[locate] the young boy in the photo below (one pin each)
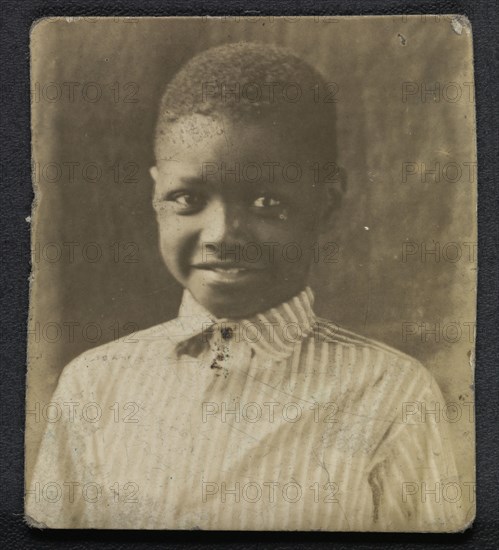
(246, 411)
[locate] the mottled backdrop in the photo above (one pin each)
(405, 107)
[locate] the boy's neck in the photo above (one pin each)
(189, 303)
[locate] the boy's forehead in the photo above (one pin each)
(197, 136)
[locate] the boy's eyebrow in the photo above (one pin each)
(278, 188)
(192, 180)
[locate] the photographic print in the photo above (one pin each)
(254, 259)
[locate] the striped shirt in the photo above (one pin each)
(279, 422)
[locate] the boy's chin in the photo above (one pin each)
(226, 308)
(240, 305)
(234, 295)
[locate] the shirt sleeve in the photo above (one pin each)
(54, 497)
(413, 477)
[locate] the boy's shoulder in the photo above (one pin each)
(363, 347)
(368, 363)
(128, 352)
(149, 351)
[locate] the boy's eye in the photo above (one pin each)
(185, 202)
(266, 202)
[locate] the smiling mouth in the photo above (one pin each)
(227, 272)
(230, 270)
(228, 267)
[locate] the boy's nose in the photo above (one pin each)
(224, 223)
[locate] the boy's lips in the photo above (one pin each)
(228, 272)
(228, 266)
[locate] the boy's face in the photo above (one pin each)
(237, 223)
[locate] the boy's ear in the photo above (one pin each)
(334, 190)
(154, 173)
(155, 176)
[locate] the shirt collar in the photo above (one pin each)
(274, 332)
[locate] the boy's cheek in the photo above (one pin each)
(279, 246)
(300, 234)
(174, 252)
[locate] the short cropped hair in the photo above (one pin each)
(253, 83)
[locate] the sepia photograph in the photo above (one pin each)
(254, 274)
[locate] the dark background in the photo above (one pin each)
(18, 197)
